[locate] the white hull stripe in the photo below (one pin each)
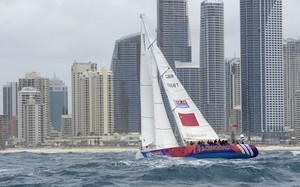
(250, 149)
(245, 148)
(239, 146)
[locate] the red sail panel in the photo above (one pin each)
(188, 119)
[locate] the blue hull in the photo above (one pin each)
(229, 151)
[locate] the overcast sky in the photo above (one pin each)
(48, 35)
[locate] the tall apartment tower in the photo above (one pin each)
(262, 66)
(96, 103)
(126, 68)
(77, 70)
(173, 31)
(291, 60)
(233, 93)
(297, 115)
(58, 102)
(212, 64)
(10, 99)
(31, 116)
(35, 80)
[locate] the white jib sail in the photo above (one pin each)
(163, 131)
(191, 123)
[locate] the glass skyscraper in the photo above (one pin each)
(173, 39)
(58, 102)
(212, 64)
(125, 66)
(261, 66)
(173, 34)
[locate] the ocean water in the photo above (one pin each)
(270, 168)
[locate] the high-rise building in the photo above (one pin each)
(35, 80)
(96, 103)
(212, 64)
(297, 115)
(58, 102)
(66, 126)
(174, 40)
(173, 31)
(31, 117)
(188, 73)
(77, 70)
(126, 68)
(233, 94)
(262, 66)
(291, 60)
(3, 130)
(10, 99)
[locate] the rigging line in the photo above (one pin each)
(174, 108)
(151, 43)
(164, 72)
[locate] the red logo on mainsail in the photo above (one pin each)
(188, 119)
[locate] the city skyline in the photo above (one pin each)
(48, 36)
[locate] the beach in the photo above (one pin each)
(120, 149)
(68, 150)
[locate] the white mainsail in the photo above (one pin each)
(191, 123)
(156, 128)
(147, 107)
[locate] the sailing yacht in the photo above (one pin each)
(197, 138)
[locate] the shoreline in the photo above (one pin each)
(278, 148)
(121, 149)
(71, 150)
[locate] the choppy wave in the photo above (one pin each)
(280, 168)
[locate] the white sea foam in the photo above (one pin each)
(295, 153)
(139, 155)
(3, 170)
